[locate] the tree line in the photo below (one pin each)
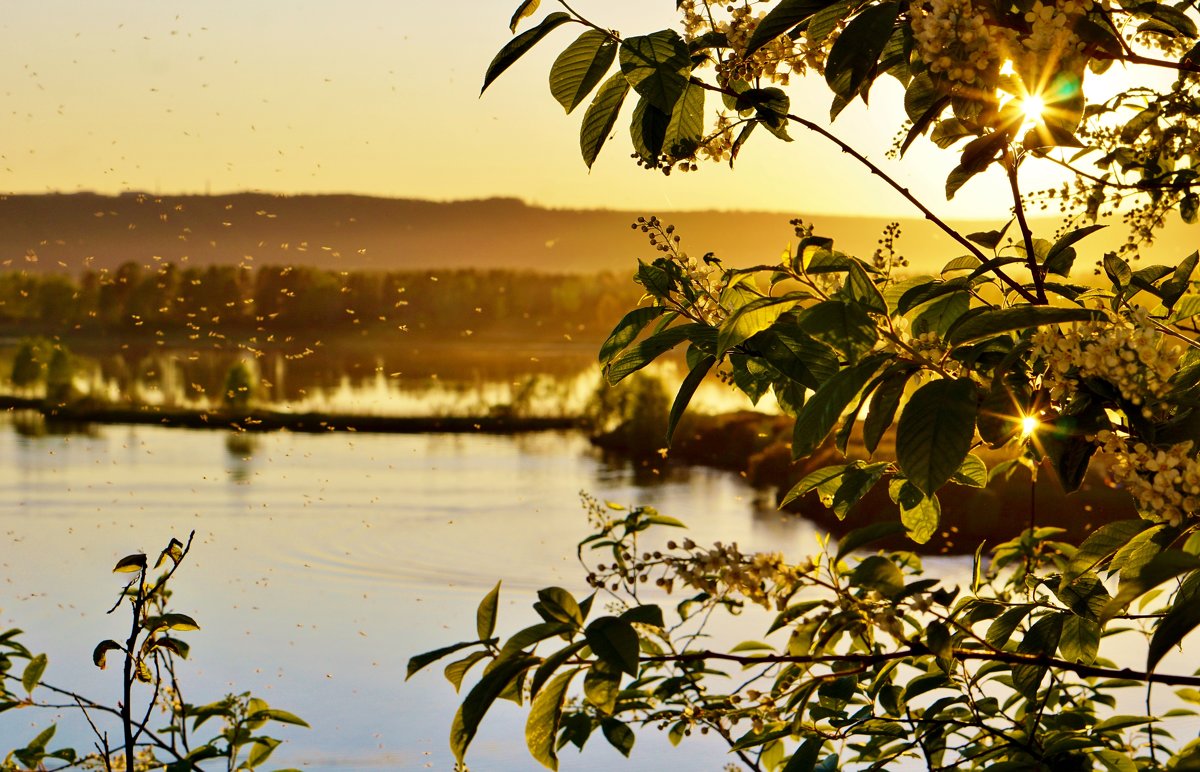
(169, 298)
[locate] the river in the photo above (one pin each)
(321, 563)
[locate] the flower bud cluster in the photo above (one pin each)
(775, 62)
(1129, 354)
(704, 279)
(958, 41)
(764, 578)
(1164, 483)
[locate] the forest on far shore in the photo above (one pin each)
(193, 303)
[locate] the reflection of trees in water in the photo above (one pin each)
(241, 447)
(31, 423)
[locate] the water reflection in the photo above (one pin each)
(323, 561)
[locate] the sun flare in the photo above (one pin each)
(1029, 425)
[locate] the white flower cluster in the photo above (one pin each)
(1051, 46)
(1165, 484)
(958, 41)
(1129, 354)
(764, 578)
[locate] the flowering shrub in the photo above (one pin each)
(868, 661)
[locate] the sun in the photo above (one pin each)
(1029, 425)
(1033, 106)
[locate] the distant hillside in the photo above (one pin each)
(58, 232)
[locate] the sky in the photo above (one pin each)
(381, 97)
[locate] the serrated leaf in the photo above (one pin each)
(545, 716)
(1080, 640)
(644, 352)
(601, 116)
(580, 67)
(520, 45)
(1103, 543)
(854, 54)
(935, 432)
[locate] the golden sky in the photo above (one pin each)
(381, 97)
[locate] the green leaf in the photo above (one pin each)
(780, 19)
(1041, 640)
(100, 653)
(856, 482)
(686, 390)
(822, 411)
(179, 622)
(130, 564)
(1182, 618)
(845, 326)
(262, 748)
(880, 574)
(457, 670)
(1003, 626)
(1161, 568)
(602, 686)
(421, 660)
(812, 481)
(1103, 543)
(1118, 271)
(644, 615)
(919, 513)
(1080, 641)
(752, 318)
(797, 355)
(656, 66)
(882, 410)
(281, 716)
(648, 130)
(935, 432)
(618, 735)
(485, 615)
(940, 315)
(32, 675)
(685, 129)
(973, 472)
(615, 641)
(480, 699)
(526, 9)
(644, 352)
(860, 537)
(601, 116)
(994, 322)
(1185, 308)
(580, 67)
(859, 288)
(854, 54)
(557, 605)
(520, 45)
(545, 716)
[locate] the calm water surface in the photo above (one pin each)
(322, 563)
